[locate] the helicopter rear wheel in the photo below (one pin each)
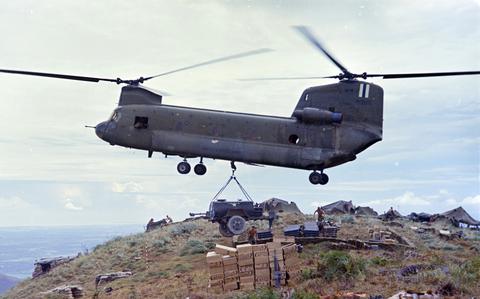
(324, 179)
(200, 169)
(183, 167)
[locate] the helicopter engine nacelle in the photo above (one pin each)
(315, 115)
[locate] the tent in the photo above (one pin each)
(281, 206)
(365, 211)
(459, 215)
(339, 207)
(390, 215)
(421, 217)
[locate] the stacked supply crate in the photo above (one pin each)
(277, 265)
(292, 263)
(230, 272)
(215, 269)
(246, 270)
(293, 230)
(311, 229)
(262, 265)
(230, 267)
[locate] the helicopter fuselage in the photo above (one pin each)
(313, 138)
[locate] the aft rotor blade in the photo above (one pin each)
(58, 76)
(423, 75)
(239, 55)
(310, 37)
(286, 78)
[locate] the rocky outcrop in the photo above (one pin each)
(66, 291)
(104, 278)
(44, 265)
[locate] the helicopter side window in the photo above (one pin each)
(141, 122)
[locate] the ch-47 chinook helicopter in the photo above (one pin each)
(330, 125)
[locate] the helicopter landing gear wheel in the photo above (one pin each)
(224, 231)
(318, 178)
(200, 169)
(315, 178)
(236, 224)
(324, 179)
(183, 167)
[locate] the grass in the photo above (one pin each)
(339, 265)
(170, 263)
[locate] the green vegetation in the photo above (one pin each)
(182, 229)
(339, 265)
(467, 275)
(260, 294)
(193, 247)
(379, 261)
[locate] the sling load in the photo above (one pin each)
(232, 216)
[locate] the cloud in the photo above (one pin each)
(472, 200)
(69, 205)
(13, 202)
(130, 187)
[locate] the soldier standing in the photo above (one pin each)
(252, 234)
(321, 214)
(271, 217)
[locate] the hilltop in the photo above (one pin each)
(170, 263)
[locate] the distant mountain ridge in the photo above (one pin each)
(7, 282)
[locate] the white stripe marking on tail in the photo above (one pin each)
(360, 91)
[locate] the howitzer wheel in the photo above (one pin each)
(224, 231)
(236, 224)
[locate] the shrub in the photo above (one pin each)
(162, 242)
(466, 275)
(308, 274)
(302, 294)
(210, 245)
(379, 261)
(260, 294)
(340, 265)
(193, 247)
(182, 229)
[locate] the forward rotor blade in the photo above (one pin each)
(423, 75)
(59, 76)
(310, 37)
(239, 55)
(285, 78)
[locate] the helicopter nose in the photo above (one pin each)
(100, 129)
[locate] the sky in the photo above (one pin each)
(54, 171)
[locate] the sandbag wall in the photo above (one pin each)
(248, 267)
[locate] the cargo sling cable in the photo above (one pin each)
(233, 178)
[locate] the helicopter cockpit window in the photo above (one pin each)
(115, 116)
(141, 122)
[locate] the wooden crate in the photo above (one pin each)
(225, 250)
(229, 260)
(244, 249)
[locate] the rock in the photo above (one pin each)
(46, 264)
(108, 277)
(66, 290)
